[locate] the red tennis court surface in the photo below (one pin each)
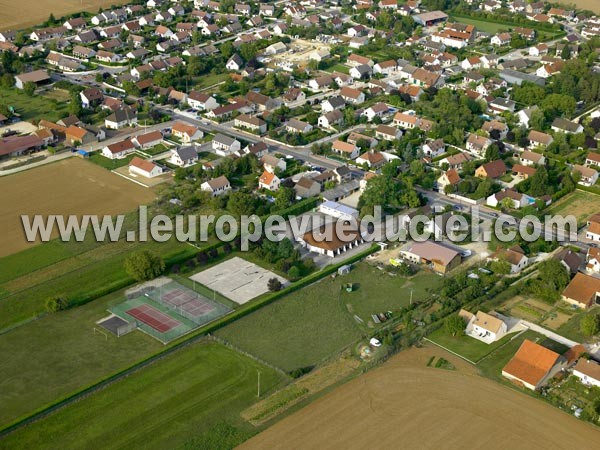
(154, 318)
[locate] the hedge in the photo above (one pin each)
(186, 340)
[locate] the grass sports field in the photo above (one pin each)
(60, 354)
(327, 312)
(581, 204)
(32, 12)
(185, 394)
(71, 186)
(425, 407)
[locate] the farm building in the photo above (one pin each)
(37, 77)
(533, 365)
(441, 259)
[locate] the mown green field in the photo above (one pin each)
(315, 323)
(33, 108)
(92, 266)
(60, 354)
(183, 395)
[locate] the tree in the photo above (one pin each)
(284, 198)
(294, 273)
(554, 273)
(590, 324)
(493, 152)
(7, 81)
(56, 303)
(506, 203)
(454, 325)
(144, 265)
(29, 88)
(538, 183)
(501, 267)
(274, 285)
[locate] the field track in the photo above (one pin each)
(71, 186)
(409, 405)
(14, 15)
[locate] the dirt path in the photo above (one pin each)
(405, 404)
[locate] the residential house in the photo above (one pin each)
(269, 181)
(593, 228)
(225, 145)
(118, 150)
(123, 117)
(379, 109)
(252, 123)
(91, 97)
(273, 164)
(372, 159)
(478, 144)
(148, 140)
(298, 126)
(582, 291)
(588, 175)
(588, 372)
(307, 188)
(216, 186)
(448, 178)
(566, 126)
(351, 95)
(184, 156)
(592, 159)
(484, 327)
(493, 170)
(387, 133)
(186, 133)
(201, 101)
(434, 148)
(143, 167)
(234, 63)
(350, 151)
(529, 158)
(539, 139)
(330, 119)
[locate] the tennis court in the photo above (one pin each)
(154, 318)
(167, 310)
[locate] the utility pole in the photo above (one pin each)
(411, 293)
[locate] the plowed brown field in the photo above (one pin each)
(405, 404)
(70, 186)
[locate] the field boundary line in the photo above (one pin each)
(503, 345)
(130, 179)
(228, 344)
(450, 351)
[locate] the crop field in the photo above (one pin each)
(406, 402)
(184, 394)
(60, 354)
(32, 12)
(581, 204)
(327, 313)
(71, 186)
(591, 5)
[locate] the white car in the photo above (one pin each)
(374, 342)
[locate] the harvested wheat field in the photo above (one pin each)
(14, 15)
(405, 404)
(70, 186)
(592, 5)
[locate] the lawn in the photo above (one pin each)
(162, 406)
(492, 366)
(299, 330)
(110, 164)
(571, 329)
(467, 346)
(33, 108)
(60, 354)
(376, 291)
(484, 26)
(313, 324)
(63, 270)
(580, 204)
(339, 68)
